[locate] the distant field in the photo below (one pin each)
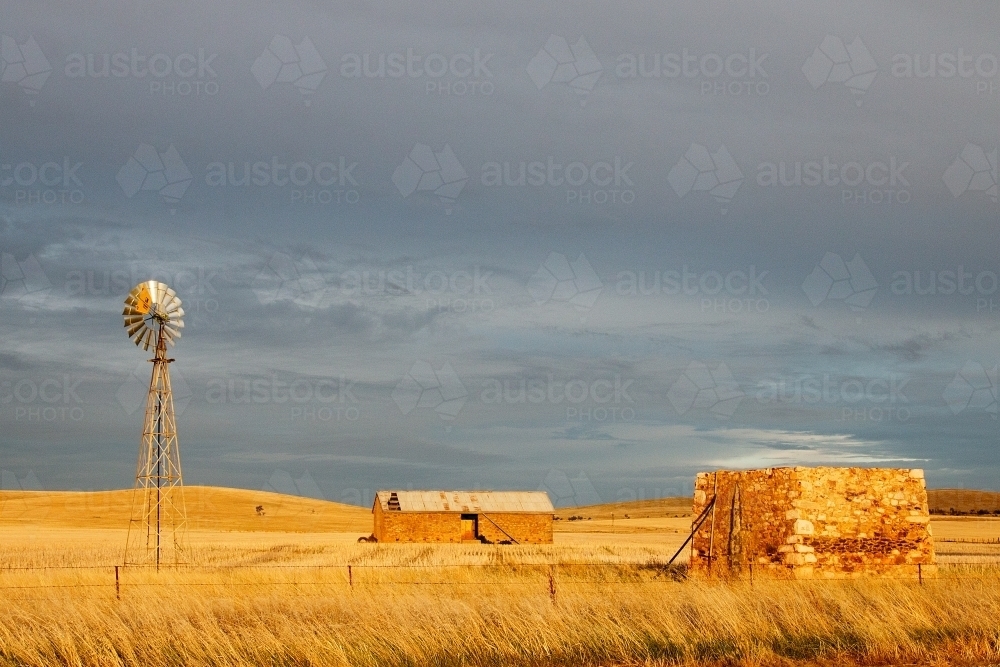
(636, 509)
(963, 500)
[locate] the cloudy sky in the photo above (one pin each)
(591, 249)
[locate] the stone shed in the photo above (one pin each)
(812, 522)
(490, 517)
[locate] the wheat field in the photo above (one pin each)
(289, 585)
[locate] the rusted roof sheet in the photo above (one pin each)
(468, 501)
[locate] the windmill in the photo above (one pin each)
(153, 318)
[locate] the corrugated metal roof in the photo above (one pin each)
(468, 501)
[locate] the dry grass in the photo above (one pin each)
(266, 597)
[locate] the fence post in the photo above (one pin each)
(920, 574)
(118, 590)
(350, 577)
(552, 583)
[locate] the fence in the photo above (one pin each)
(341, 578)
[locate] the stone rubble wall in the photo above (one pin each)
(525, 528)
(813, 522)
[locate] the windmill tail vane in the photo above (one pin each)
(154, 317)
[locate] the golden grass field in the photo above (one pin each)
(276, 590)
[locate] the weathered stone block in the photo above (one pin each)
(834, 522)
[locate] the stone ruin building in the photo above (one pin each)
(812, 522)
(489, 517)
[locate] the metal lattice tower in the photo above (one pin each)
(153, 316)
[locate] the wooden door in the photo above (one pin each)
(470, 527)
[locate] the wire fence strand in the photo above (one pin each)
(344, 577)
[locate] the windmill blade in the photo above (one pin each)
(135, 327)
(161, 292)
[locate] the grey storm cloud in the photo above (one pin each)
(552, 202)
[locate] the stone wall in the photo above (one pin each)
(417, 527)
(813, 522)
(526, 528)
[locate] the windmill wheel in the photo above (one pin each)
(152, 310)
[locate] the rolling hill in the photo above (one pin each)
(214, 508)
